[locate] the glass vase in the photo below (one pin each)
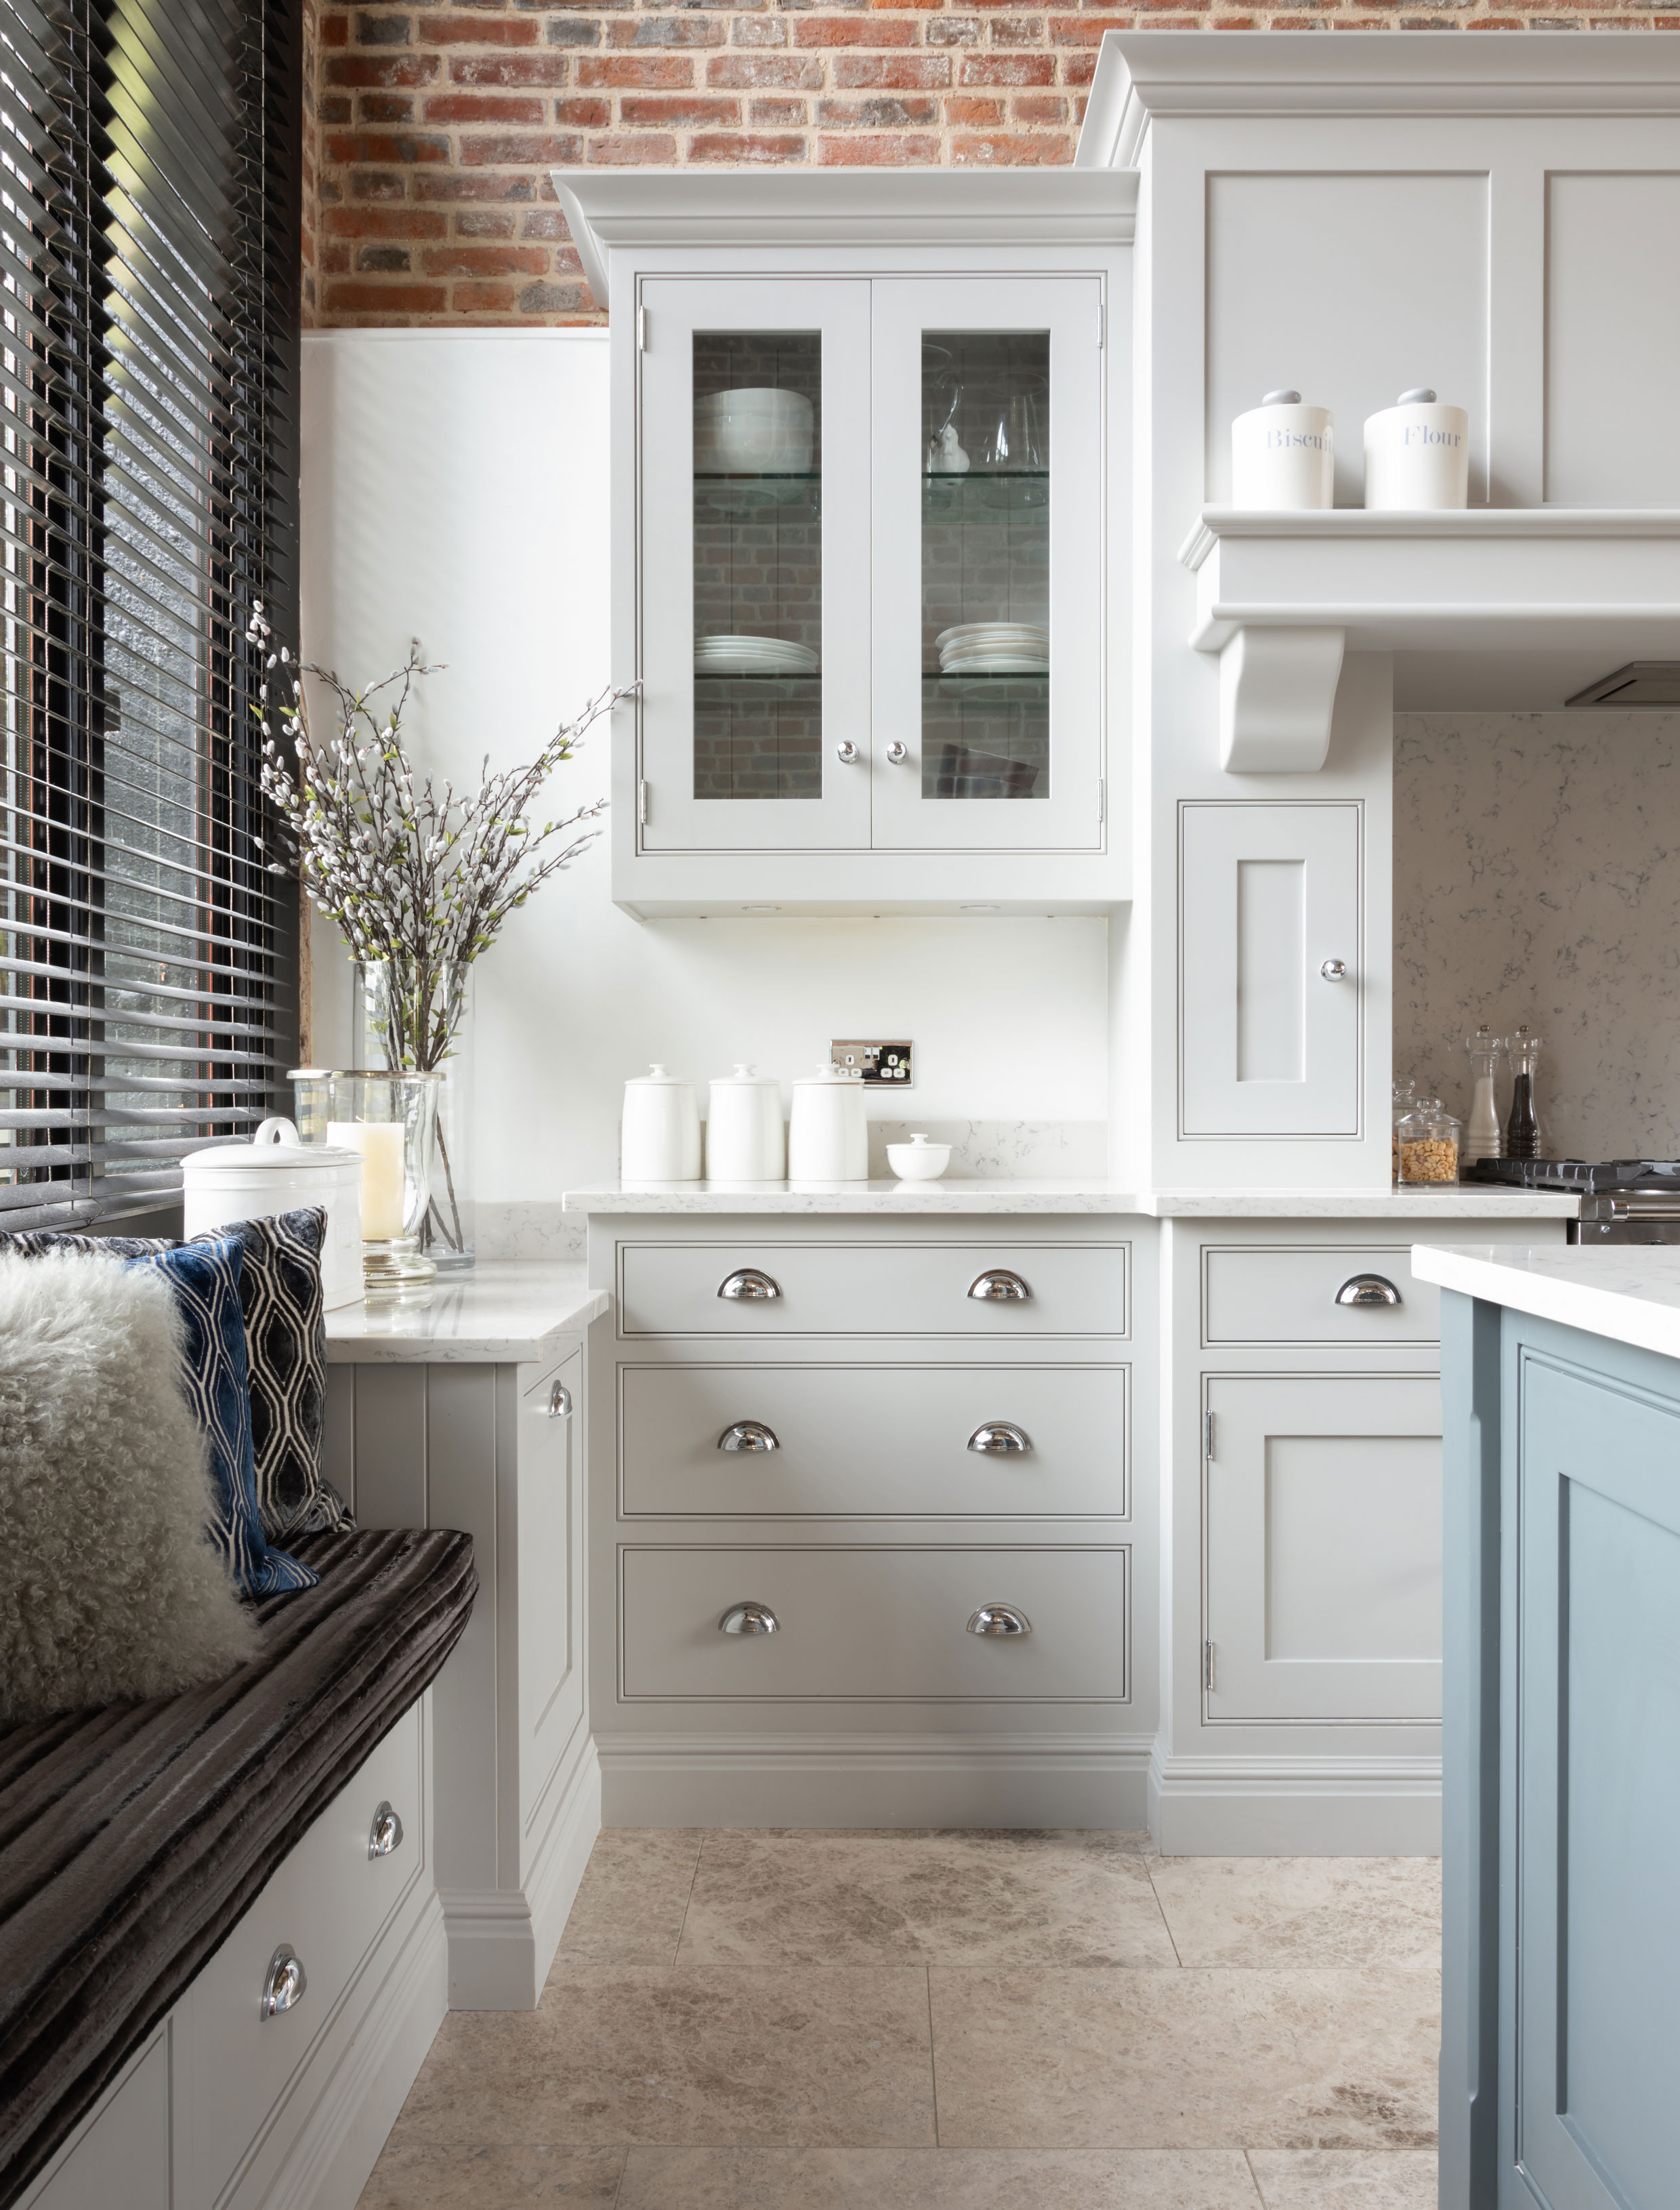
(391, 1118)
(414, 1015)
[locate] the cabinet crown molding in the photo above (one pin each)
(1186, 75)
(691, 208)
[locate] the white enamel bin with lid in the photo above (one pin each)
(276, 1173)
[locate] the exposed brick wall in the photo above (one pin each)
(434, 128)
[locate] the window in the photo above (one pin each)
(149, 280)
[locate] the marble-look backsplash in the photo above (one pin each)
(1537, 880)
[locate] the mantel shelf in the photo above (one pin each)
(1528, 604)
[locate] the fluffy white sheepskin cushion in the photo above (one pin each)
(108, 1588)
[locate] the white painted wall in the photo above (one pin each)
(455, 488)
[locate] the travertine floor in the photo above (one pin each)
(948, 2021)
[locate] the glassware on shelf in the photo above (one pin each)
(1482, 1138)
(1522, 1125)
(415, 1016)
(1429, 1137)
(391, 1120)
(1404, 1097)
(310, 1089)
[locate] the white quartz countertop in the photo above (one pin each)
(950, 1199)
(504, 1312)
(1629, 1292)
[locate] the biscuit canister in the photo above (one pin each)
(1417, 454)
(1283, 454)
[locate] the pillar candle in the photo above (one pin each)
(380, 1143)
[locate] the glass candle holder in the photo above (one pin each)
(391, 1120)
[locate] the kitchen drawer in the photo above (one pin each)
(1286, 1293)
(877, 1625)
(868, 1441)
(873, 1288)
(328, 1900)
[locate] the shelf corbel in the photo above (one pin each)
(1277, 699)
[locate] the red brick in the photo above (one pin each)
(548, 222)
(693, 109)
(382, 107)
(954, 31)
(583, 114)
(1000, 150)
(904, 149)
(1497, 23)
(769, 72)
(633, 149)
(335, 30)
(510, 68)
(460, 260)
(737, 147)
(515, 149)
(570, 299)
(1038, 107)
(475, 31)
(1007, 69)
(777, 113)
(389, 299)
(1017, 30)
(636, 72)
(376, 184)
(487, 222)
(892, 72)
(334, 261)
(358, 71)
(875, 114)
(666, 30)
(1085, 30)
(456, 186)
(1079, 69)
(383, 222)
(481, 299)
(757, 30)
(407, 146)
(335, 107)
(484, 107)
(963, 108)
(851, 30)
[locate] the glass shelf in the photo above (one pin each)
(758, 475)
(712, 675)
(985, 475)
(988, 675)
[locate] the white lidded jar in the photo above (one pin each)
(745, 1138)
(659, 1138)
(1417, 455)
(277, 1173)
(1283, 454)
(828, 1136)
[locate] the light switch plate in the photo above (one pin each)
(888, 1064)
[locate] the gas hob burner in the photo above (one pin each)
(1576, 1178)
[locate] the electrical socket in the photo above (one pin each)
(889, 1063)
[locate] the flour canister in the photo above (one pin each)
(745, 1138)
(1283, 454)
(1417, 454)
(276, 1173)
(659, 1137)
(828, 1136)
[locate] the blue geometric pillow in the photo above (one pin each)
(205, 1278)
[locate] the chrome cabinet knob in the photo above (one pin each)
(999, 1287)
(746, 1285)
(846, 754)
(1000, 1439)
(1335, 971)
(898, 753)
(387, 1833)
(284, 1982)
(1000, 1618)
(1368, 1290)
(749, 1619)
(748, 1436)
(559, 1402)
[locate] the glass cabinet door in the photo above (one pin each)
(988, 463)
(753, 619)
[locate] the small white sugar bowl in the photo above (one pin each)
(277, 1173)
(920, 1160)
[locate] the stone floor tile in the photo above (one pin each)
(936, 2179)
(771, 1899)
(630, 1905)
(1193, 2059)
(623, 2054)
(1345, 2179)
(1302, 1910)
(411, 2176)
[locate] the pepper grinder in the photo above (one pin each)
(1481, 1130)
(1522, 1127)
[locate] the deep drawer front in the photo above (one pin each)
(328, 1900)
(875, 1624)
(872, 1288)
(1284, 1294)
(868, 1441)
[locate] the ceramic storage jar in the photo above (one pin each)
(277, 1173)
(659, 1138)
(1283, 454)
(828, 1136)
(745, 1138)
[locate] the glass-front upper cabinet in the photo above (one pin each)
(870, 514)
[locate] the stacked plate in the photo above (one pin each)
(762, 430)
(752, 655)
(994, 648)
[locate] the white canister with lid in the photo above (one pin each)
(745, 1138)
(277, 1173)
(1283, 454)
(659, 1138)
(1417, 454)
(828, 1136)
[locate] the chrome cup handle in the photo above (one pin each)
(998, 1286)
(1368, 1290)
(285, 1981)
(386, 1833)
(749, 1619)
(1000, 1439)
(749, 1435)
(1000, 1618)
(746, 1285)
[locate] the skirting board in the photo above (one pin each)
(1250, 1807)
(502, 1940)
(874, 1780)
